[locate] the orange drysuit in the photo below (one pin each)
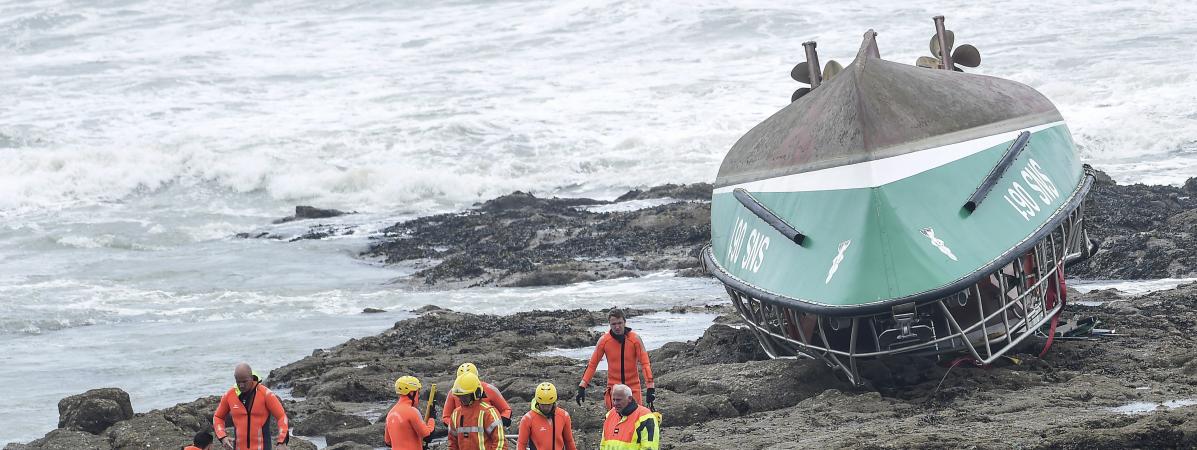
(476, 427)
(405, 430)
(249, 418)
(546, 433)
(623, 353)
(191, 447)
(490, 395)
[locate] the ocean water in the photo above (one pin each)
(137, 137)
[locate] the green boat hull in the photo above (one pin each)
(869, 246)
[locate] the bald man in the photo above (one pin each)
(252, 405)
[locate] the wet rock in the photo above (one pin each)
(95, 410)
(61, 439)
(682, 409)
(373, 311)
(696, 191)
(354, 386)
(349, 446)
(549, 277)
(148, 431)
(371, 435)
(322, 422)
(310, 212)
(1065, 399)
(1103, 179)
(1144, 231)
(522, 240)
(294, 444)
(523, 201)
(1185, 221)
(317, 232)
(754, 386)
(1190, 186)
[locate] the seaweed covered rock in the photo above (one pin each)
(95, 410)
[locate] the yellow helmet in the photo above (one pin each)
(466, 384)
(467, 368)
(406, 385)
(546, 394)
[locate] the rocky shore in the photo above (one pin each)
(720, 391)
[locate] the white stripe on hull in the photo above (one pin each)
(879, 171)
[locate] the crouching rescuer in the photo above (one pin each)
(474, 424)
(629, 425)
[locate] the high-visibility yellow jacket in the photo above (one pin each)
(639, 429)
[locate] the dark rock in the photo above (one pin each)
(61, 439)
(369, 435)
(754, 386)
(696, 191)
(309, 212)
(95, 410)
(349, 446)
(1186, 221)
(521, 201)
(294, 444)
(521, 240)
(322, 422)
(148, 431)
(373, 311)
(1145, 232)
(550, 278)
(1190, 186)
(683, 409)
(1103, 179)
(428, 308)
(317, 232)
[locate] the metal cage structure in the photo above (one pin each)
(994, 314)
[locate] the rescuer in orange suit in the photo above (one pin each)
(405, 430)
(251, 405)
(624, 352)
(546, 426)
(474, 425)
(490, 393)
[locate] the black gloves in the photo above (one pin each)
(431, 413)
(652, 395)
(506, 422)
(581, 395)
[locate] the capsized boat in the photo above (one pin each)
(900, 209)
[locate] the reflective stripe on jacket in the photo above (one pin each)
(404, 429)
(639, 430)
(492, 396)
(476, 427)
(249, 423)
(540, 432)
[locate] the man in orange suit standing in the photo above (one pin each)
(624, 352)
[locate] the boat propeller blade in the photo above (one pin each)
(966, 55)
(832, 69)
(800, 73)
(928, 62)
(949, 36)
(799, 93)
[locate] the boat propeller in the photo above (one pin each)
(964, 55)
(808, 71)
